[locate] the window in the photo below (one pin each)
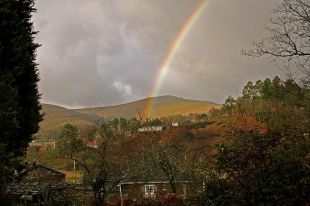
(149, 189)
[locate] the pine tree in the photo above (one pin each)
(19, 97)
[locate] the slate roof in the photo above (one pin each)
(36, 165)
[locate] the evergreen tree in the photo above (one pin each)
(19, 97)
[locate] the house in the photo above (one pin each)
(174, 124)
(93, 144)
(151, 129)
(150, 189)
(41, 173)
(73, 194)
(42, 145)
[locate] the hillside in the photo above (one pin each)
(56, 116)
(163, 106)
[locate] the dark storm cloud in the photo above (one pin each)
(103, 52)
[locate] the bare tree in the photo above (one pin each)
(161, 154)
(288, 40)
(104, 165)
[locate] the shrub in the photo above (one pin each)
(171, 199)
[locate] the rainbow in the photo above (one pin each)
(168, 58)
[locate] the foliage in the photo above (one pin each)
(121, 125)
(273, 102)
(201, 117)
(256, 168)
(133, 125)
(171, 199)
(148, 202)
(69, 141)
(104, 164)
(166, 156)
(152, 122)
(162, 159)
(19, 108)
(264, 167)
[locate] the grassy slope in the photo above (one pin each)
(128, 110)
(163, 106)
(56, 117)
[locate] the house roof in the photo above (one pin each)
(36, 165)
(149, 182)
(27, 188)
(151, 174)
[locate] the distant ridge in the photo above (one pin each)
(163, 106)
(56, 116)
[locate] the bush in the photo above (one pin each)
(189, 135)
(171, 199)
(140, 202)
(126, 202)
(148, 202)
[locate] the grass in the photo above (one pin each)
(74, 177)
(48, 158)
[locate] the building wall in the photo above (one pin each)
(74, 195)
(137, 191)
(151, 129)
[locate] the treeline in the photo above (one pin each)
(280, 104)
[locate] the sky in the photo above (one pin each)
(108, 52)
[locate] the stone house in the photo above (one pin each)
(30, 193)
(150, 189)
(73, 194)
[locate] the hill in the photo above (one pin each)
(56, 116)
(162, 106)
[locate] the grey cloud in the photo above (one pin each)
(103, 52)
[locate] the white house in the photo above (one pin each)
(150, 129)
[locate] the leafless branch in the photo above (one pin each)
(288, 41)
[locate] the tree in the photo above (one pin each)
(163, 155)
(69, 142)
(252, 168)
(105, 165)
(229, 104)
(133, 125)
(288, 39)
(279, 104)
(19, 97)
